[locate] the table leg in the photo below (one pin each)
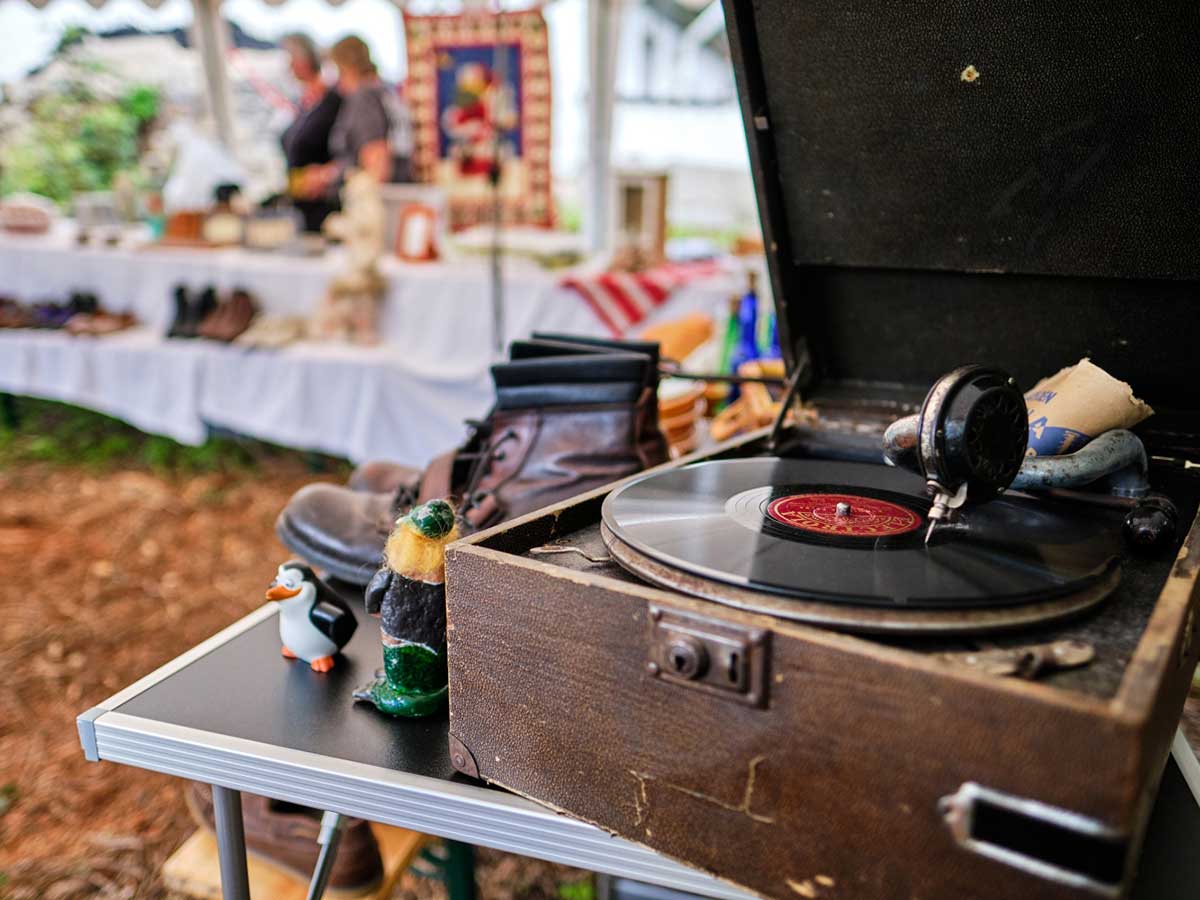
(460, 871)
(231, 843)
(329, 838)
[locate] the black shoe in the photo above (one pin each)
(201, 309)
(183, 307)
(84, 302)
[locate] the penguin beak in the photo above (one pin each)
(279, 592)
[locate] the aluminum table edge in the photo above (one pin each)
(448, 809)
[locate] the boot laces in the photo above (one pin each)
(407, 495)
(493, 451)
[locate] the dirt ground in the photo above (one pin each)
(104, 577)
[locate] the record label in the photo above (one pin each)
(843, 515)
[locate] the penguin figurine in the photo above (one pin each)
(408, 594)
(314, 622)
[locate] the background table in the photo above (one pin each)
(420, 297)
(403, 400)
(233, 714)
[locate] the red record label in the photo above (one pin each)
(846, 515)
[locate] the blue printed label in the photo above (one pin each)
(1049, 440)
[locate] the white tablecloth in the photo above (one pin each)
(403, 400)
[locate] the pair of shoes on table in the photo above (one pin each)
(191, 310)
(231, 317)
(273, 332)
(100, 323)
(14, 314)
(204, 315)
(571, 414)
(49, 314)
(286, 835)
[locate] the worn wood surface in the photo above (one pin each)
(832, 789)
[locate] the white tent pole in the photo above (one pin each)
(209, 35)
(603, 30)
(707, 25)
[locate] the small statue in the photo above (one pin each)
(350, 306)
(409, 595)
(314, 622)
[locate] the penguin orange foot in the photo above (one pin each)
(323, 664)
(286, 653)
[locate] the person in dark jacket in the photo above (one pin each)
(306, 140)
(373, 129)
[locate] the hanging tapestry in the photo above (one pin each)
(479, 89)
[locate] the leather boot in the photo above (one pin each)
(561, 425)
(651, 441)
(286, 835)
(230, 318)
(380, 476)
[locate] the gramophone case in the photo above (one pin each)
(939, 184)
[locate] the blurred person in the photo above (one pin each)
(306, 140)
(373, 130)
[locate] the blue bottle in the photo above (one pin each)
(746, 348)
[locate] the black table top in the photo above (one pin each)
(245, 689)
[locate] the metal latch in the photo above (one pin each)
(709, 655)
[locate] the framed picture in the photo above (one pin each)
(416, 234)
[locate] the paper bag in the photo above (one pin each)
(1079, 403)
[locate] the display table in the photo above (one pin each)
(438, 312)
(232, 713)
(403, 400)
(361, 403)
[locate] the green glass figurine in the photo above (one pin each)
(409, 595)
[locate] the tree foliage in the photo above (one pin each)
(75, 138)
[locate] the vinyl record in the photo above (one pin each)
(853, 533)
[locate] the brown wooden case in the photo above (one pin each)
(846, 767)
(917, 218)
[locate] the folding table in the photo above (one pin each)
(232, 713)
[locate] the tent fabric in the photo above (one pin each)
(155, 4)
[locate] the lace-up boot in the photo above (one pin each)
(561, 425)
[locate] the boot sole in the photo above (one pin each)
(338, 568)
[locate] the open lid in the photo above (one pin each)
(1006, 183)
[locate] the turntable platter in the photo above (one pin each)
(836, 534)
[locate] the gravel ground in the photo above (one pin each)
(104, 577)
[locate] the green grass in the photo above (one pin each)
(722, 237)
(577, 890)
(59, 434)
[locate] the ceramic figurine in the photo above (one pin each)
(314, 622)
(350, 306)
(409, 595)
